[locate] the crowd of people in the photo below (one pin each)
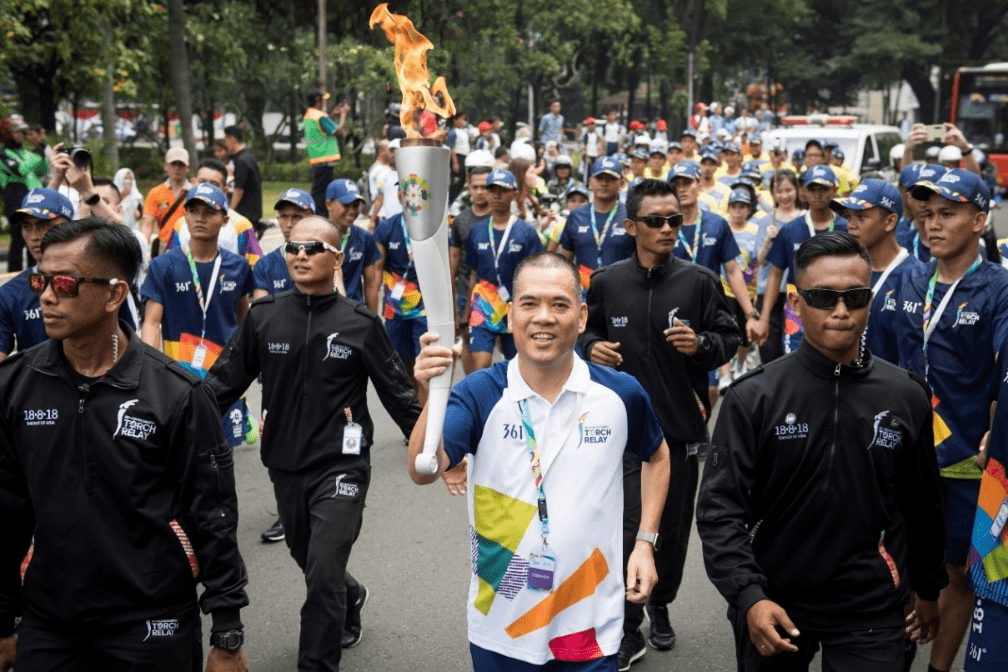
(851, 499)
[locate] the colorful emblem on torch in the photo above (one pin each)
(416, 193)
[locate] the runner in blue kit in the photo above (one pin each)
(196, 296)
(872, 211)
(20, 315)
(405, 317)
(360, 272)
(493, 251)
(911, 226)
(594, 235)
(271, 274)
(820, 186)
(952, 322)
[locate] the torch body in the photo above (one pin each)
(423, 171)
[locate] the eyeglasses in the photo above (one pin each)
(64, 286)
(657, 222)
(826, 299)
(310, 247)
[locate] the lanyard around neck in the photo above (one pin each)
(600, 237)
(811, 227)
(930, 322)
(692, 251)
(903, 254)
(536, 464)
(204, 302)
(496, 253)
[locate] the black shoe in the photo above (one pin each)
(274, 533)
(661, 635)
(352, 629)
(631, 649)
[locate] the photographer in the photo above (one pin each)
(71, 176)
(950, 135)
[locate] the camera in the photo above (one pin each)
(80, 155)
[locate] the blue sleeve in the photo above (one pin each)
(381, 233)
(247, 281)
(542, 123)
(469, 405)
(6, 321)
(567, 240)
(153, 286)
(452, 136)
(259, 278)
(778, 250)
(729, 246)
(371, 253)
(1001, 313)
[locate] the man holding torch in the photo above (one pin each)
(546, 475)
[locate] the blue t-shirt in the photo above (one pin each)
(361, 252)
(21, 322)
(551, 127)
(790, 238)
(749, 241)
(716, 244)
(390, 234)
(271, 273)
(170, 283)
(961, 352)
(578, 237)
(523, 240)
(880, 335)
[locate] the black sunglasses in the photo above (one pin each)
(826, 299)
(657, 222)
(310, 247)
(64, 286)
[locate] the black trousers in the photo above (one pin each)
(673, 531)
(321, 511)
(322, 175)
(861, 650)
(774, 346)
(166, 642)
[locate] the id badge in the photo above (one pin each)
(1000, 519)
(352, 437)
(199, 356)
(503, 293)
(541, 569)
(397, 291)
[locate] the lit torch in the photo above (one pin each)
(422, 164)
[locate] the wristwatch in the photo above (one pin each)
(230, 640)
(754, 313)
(650, 537)
(93, 199)
(703, 345)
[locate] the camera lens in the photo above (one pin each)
(81, 156)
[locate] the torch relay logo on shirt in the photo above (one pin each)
(132, 426)
(966, 317)
(592, 434)
(886, 437)
(165, 627)
(335, 350)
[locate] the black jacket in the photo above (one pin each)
(630, 304)
(821, 492)
(315, 354)
(99, 473)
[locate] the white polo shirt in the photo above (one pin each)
(582, 436)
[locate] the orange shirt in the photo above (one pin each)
(157, 204)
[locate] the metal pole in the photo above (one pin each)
(322, 44)
(531, 110)
(689, 86)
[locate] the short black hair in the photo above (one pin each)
(814, 143)
(828, 244)
(235, 132)
(500, 151)
(644, 189)
(113, 244)
(219, 142)
(102, 181)
(549, 260)
(480, 170)
(215, 165)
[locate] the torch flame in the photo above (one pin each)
(411, 68)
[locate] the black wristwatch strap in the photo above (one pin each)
(230, 640)
(93, 199)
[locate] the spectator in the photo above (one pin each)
(246, 198)
(321, 137)
(383, 183)
(132, 198)
(21, 171)
(163, 207)
(551, 125)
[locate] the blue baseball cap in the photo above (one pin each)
(209, 194)
(674, 145)
(931, 172)
(709, 154)
(607, 165)
(829, 144)
(577, 189)
(44, 203)
(909, 175)
(957, 185)
(641, 153)
(634, 182)
(343, 190)
(686, 169)
(502, 178)
(688, 131)
(740, 196)
(798, 155)
(731, 147)
(744, 180)
(299, 198)
(871, 193)
(820, 175)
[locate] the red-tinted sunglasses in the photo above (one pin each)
(64, 286)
